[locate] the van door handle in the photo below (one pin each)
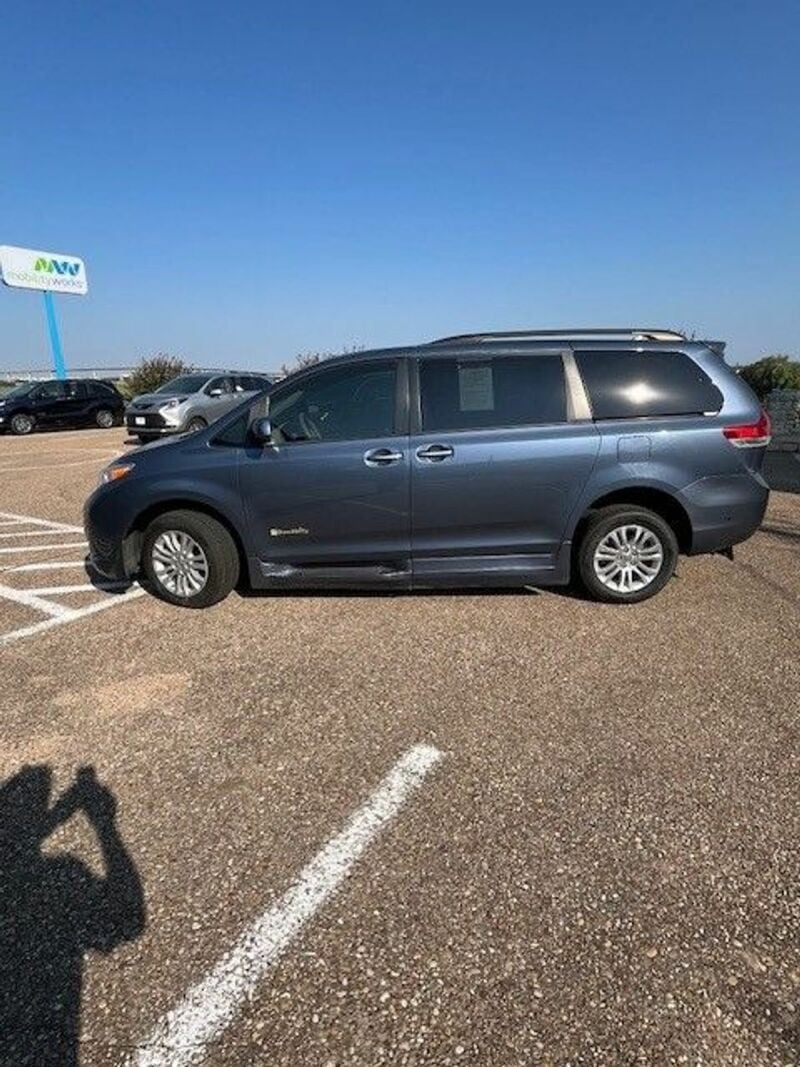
(435, 453)
(381, 457)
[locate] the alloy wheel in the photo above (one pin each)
(628, 558)
(179, 563)
(22, 424)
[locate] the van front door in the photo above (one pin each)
(328, 498)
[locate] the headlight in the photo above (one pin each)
(176, 400)
(115, 471)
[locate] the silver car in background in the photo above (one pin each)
(190, 402)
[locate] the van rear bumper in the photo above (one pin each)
(724, 510)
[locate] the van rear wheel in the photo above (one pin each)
(189, 559)
(627, 554)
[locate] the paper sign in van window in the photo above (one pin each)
(475, 388)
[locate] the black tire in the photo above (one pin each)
(104, 418)
(196, 424)
(601, 523)
(22, 424)
(217, 545)
(145, 438)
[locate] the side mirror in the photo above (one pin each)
(261, 431)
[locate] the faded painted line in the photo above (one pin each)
(35, 533)
(58, 590)
(54, 566)
(12, 522)
(63, 526)
(33, 599)
(43, 548)
(209, 1007)
(72, 616)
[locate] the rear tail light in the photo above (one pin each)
(750, 434)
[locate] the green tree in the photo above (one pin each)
(305, 359)
(153, 371)
(771, 372)
(309, 359)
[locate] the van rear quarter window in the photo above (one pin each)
(501, 391)
(629, 384)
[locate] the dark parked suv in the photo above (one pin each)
(49, 404)
(486, 460)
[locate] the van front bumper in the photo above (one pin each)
(724, 510)
(111, 552)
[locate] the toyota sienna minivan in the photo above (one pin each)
(495, 459)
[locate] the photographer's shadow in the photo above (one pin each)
(53, 909)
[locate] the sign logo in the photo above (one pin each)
(29, 268)
(59, 266)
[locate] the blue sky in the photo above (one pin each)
(250, 180)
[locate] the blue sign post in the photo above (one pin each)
(49, 272)
(59, 367)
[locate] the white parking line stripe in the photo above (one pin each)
(13, 522)
(71, 616)
(55, 566)
(30, 599)
(57, 590)
(36, 533)
(43, 548)
(41, 522)
(210, 1006)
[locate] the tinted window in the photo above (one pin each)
(503, 391)
(247, 383)
(76, 391)
(19, 390)
(101, 389)
(624, 385)
(224, 384)
(186, 383)
(50, 391)
(235, 434)
(340, 404)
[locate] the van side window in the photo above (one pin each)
(629, 385)
(351, 403)
(474, 394)
(236, 433)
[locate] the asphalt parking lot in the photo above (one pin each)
(496, 829)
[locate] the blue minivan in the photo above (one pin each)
(496, 459)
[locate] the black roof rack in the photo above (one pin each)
(625, 333)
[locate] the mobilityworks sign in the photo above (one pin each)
(27, 268)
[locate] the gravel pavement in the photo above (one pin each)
(602, 868)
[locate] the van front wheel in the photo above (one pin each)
(627, 554)
(189, 559)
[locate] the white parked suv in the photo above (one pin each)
(190, 402)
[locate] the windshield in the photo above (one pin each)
(18, 390)
(188, 383)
